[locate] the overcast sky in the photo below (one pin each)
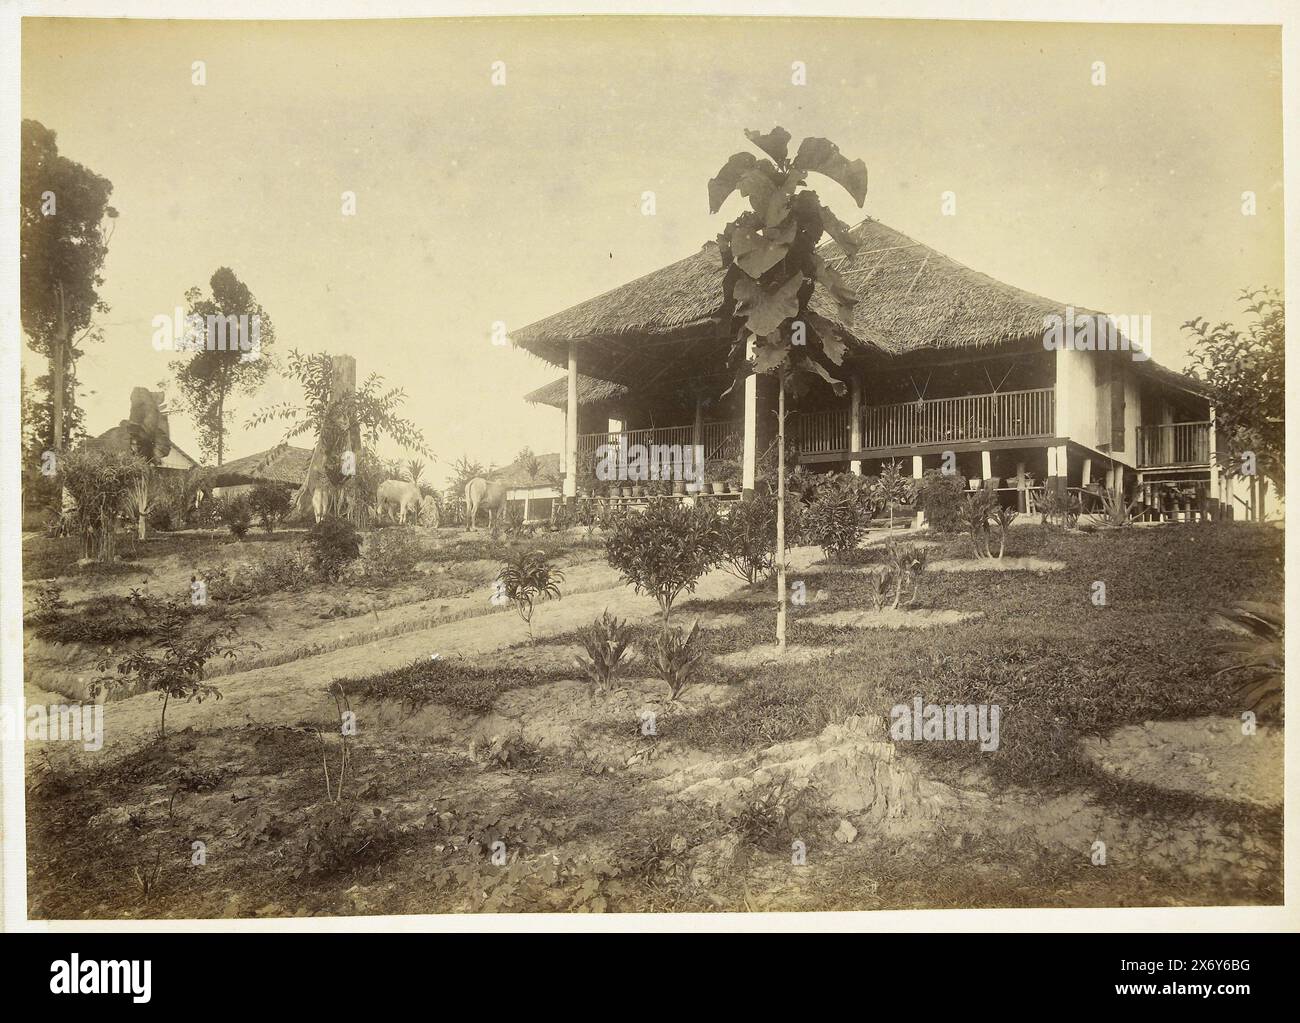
(479, 203)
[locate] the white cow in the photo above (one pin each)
(400, 497)
(479, 493)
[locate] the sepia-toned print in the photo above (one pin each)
(606, 465)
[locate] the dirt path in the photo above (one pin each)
(291, 692)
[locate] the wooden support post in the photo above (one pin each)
(986, 466)
(1212, 493)
(855, 422)
(1085, 476)
(1022, 498)
(750, 460)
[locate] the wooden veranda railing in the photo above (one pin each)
(1170, 444)
(1006, 415)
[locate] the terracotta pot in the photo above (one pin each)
(679, 487)
(625, 491)
(638, 491)
(717, 488)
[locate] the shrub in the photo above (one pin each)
(236, 514)
(334, 544)
(526, 578)
(674, 656)
(391, 554)
(48, 598)
(940, 496)
(340, 838)
(834, 521)
(162, 517)
(605, 640)
(891, 487)
(906, 564)
(880, 583)
(105, 621)
(270, 504)
(748, 537)
(665, 550)
(98, 482)
(1258, 653)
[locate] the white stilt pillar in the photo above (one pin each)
(751, 428)
(571, 427)
(855, 422)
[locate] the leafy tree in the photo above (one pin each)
(217, 371)
(1245, 372)
(173, 664)
(63, 240)
(344, 421)
(462, 472)
(665, 550)
(772, 269)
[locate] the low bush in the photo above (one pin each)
(666, 550)
(527, 578)
(674, 655)
(236, 514)
(838, 515)
(270, 504)
(342, 839)
(391, 554)
(605, 641)
(748, 536)
(334, 544)
(940, 496)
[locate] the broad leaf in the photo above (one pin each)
(755, 254)
(832, 347)
(839, 289)
(727, 180)
(769, 354)
(757, 186)
(813, 366)
(839, 230)
(776, 143)
(765, 310)
(824, 157)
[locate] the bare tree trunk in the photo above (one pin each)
(780, 514)
(58, 357)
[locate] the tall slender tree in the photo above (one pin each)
(773, 272)
(230, 355)
(64, 231)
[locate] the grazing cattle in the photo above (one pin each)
(399, 497)
(318, 504)
(479, 493)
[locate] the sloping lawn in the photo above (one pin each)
(1059, 666)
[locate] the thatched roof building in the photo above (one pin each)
(591, 392)
(283, 463)
(912, 299)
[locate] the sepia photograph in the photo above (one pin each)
(643, 464)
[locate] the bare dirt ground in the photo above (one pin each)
(558, 797)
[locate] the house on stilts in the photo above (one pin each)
(946, 367)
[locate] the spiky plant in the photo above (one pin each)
(527, 578)
(605, 640)
(1257, 652)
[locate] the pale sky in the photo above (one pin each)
(479, 203)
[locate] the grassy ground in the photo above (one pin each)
(424, 806)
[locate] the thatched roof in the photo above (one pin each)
(515, 475)
(912, 298)
(590, 392)
(283, 463)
